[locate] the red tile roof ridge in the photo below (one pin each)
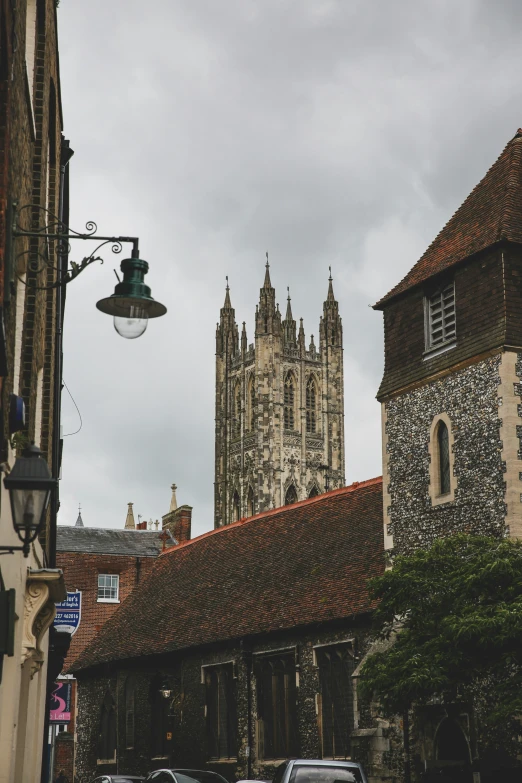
(453, 243)
(356, 485)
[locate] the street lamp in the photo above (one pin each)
(131, 304)
(29, 485)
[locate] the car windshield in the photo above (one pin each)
(307, 773)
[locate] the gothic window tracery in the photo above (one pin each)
(291, 495)
(251, 404)
(250, 503)
(311, 405)
(313, 492)
(289, 401)
(236, 513)
(237, 410)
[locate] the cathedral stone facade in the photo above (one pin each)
(279, 409)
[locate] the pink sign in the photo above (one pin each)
(61, 702)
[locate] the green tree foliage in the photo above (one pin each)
(452, 616)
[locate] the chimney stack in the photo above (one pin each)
(178, 520)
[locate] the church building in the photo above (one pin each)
(279, 409)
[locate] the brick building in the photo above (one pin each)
(33, 175)
(251, 636)
(106, 565)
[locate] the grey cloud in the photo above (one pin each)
(325, 132)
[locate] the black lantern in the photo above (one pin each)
(29, 485)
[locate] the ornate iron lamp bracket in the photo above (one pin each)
(57, 232)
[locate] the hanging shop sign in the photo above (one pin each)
(68, 613)
(61, 702)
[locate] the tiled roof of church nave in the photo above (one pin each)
(296, 565)
(491, 212)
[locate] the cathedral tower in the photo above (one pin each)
(279, 409)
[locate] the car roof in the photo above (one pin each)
(325, 763)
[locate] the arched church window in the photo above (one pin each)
(444, 458)
(313, 492)
(289, 401)
(291, 495)
(443, 481)
(130, 687)
(237, 410)
(236, 513)
(250, 502)
(311, 405)
(251, 404)
(107, 735)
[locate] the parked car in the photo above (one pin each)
(319, 771)
(118, 779)
(184, 776)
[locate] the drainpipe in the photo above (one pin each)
(66, 154)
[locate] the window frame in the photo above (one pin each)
(283, 703)
(223, 670)
(345, 648)
(108, 600)
(433, 347)
(289, 404)
(311, 396)
(436, 497)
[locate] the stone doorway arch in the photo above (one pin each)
(452, 754)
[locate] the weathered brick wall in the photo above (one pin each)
(188, 723)
(470, 398)
(64, 755)
(81, 573)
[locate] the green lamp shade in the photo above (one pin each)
(131, 299)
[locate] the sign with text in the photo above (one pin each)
(68, 613)
(61, 702)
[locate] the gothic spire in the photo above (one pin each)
(129, 522)
(288, 316)
(228, 304)
(267, 283)
(79, 521)
(330, 297)
(173, 501)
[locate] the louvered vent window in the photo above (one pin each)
(441, 318)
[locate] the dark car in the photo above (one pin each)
(184, 776)
(118, 779)
(319, 771)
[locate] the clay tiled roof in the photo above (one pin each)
(491, 212)
(297, 565)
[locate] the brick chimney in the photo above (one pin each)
(178, 520)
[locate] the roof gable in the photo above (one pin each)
(492, 212)
(297, 565)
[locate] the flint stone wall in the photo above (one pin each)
(470, 398)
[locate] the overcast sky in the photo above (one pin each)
(326, 132)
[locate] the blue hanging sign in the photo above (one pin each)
(68, 613)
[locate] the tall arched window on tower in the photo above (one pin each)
(250, 503)
(311, 405)
(444, 459)
(291, 495)
(236, 513)
(442, 480)
(289, 401)
(251, 398)
(237, 410)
